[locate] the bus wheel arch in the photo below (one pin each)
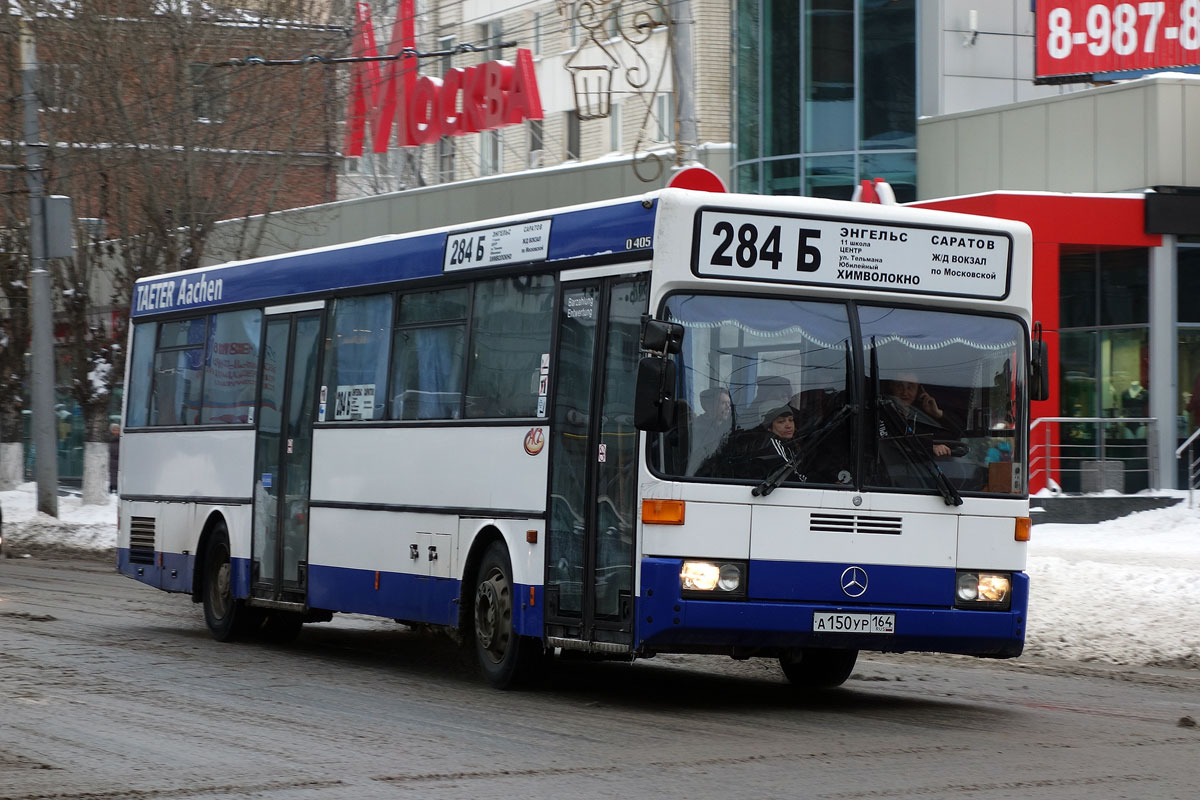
(228, 617)
(215, 519)
(505, 658)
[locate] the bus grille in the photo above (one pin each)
(854, 523)
(141, 540)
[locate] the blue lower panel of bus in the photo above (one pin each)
(397, 596)
(409, 597)
(925, 619)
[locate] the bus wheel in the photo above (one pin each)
(818, 668)
(227, 617)
(504, 657)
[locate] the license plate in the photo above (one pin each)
(853, 623)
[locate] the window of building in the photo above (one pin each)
(614, 128)
(1187, 290)
(572, 125)
(511, 322)
(490, 153)
(447, 147)
(537, 137)
(429, 355)
(356, 357)
(664, 118)
(210, 92)
(1104, 354)
(58, 86)
(819, 80)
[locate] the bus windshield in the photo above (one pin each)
(774, 391)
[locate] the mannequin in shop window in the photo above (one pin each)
(1135, 402)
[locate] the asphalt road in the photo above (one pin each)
(110, 689)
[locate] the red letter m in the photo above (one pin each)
(376, 87)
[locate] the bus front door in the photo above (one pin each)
(593, 466)
(282, 459)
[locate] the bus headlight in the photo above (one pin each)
(713, 578)
(983, 590)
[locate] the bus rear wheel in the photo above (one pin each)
(227, 617)
(505, 658)
(818, 668)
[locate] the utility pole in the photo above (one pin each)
(42, 334)
(683, 76)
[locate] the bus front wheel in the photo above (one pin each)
(227, 617)
(505, 658)
(818, 668)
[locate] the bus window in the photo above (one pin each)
(178, 372)
(745, 361)
(141, 373)
(429, 355)
(511, 320)
(231, 367)
(947, 390)
(356, 357)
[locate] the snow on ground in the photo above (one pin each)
(1126, 591)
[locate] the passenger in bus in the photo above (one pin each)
(922, 416)
(712, 428)
(760, 451)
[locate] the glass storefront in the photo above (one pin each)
(1104, 364)
(826, 96)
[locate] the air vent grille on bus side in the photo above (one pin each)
(854, 523)
(141, 540)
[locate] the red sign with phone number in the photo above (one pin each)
(1084, 37)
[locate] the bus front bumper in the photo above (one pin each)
(668, 622)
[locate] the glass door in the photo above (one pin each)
(593, 464)
(282, 458)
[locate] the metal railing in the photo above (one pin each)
(1118, 447)
(1193, 463)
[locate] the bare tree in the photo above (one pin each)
(156, 140)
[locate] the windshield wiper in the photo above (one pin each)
(913, 447)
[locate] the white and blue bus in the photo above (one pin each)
(570, 431)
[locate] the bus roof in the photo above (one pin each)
(616, 230)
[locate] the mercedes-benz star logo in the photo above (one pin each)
(854, 581)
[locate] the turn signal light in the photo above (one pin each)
(662, 512)
(1024, 529)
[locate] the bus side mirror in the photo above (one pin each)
(661, 337)
(654, 401)
(1039, 372)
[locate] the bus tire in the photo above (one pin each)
(227, 617)
(818, 668)
(505, 658)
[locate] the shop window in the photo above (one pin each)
(356, 357)
(1189, 382)
(429, 355)
(511, 321)
(1125, 287)
(231, 367)
(1188, 288)
(1077, 291)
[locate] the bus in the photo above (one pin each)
(556, 433)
